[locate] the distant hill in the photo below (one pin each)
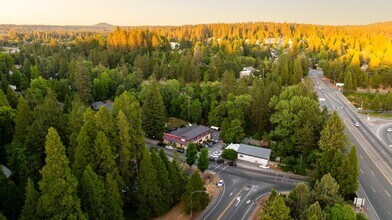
(104, 25)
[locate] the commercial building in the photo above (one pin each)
(251, 153)
(183, 136)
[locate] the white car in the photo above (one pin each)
(356, 124)
(264, 166)
(220, 183)
(389, 130)
(169, 147)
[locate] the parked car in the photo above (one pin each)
(169, 147)
(232, 163)
(389, 130)
(181, 150)
(220, 160)
(161, 144)
(212, 158)
(220, 183)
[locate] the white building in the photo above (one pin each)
(247, 71)
(251, 153)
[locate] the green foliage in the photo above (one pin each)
(203, 161)
(113, 201)
(276, 210)
(58, 186)
(234, 133)
(298, 199)
(93, 194)
(164, 184)
(10, 204)
(124, 162)
(229, 154)
(148, 191)
(74, 125)
(3, 99)
(195, 201)
(191, 154)
(313, 212)
(154, 112)
(7, 127)
(376, 103)
(196, 111)
(30, 206)
(326, 191)
(82, 81)
(339, 211)
(343, 167)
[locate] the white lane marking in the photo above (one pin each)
(232, 192)
(224, 188)
(373, 189)
(217, 167)
(387, 193)
(247, 211)
(238, 201)
(361, 170)
(223, 169)
(373, 173)
(361, 156)
(369, 201)
(383, 151)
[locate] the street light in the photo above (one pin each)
(197, 191)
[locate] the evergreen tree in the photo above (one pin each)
(376, 103)
(326, 191)
(333, 142)
(74, 125)
(148, 192)
(23, 119)
(195, 201)
(105, 123)
(129, 105)
(103, 160)
(348, 82)
(10, 204)
(277, 210)
(348, 175)
(58, 186)
(82, 81)
(30, 207)
(203, 161)
(154, 112)
(124, 162)
(196, 111)
(298, 199)
(12, 97)
(84, 149)
(388, 102)
(313, 212)
(163, 182)
(92, 194)
(113, 198)
(3, 99)
(191, 154)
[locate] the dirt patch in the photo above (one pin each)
(177, 212)
(173, 122)
(260, 205)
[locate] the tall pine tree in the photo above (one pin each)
(154, 112)
(30, 207)
(58, 186)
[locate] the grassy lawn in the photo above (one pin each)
(175, 123)
(384, 115)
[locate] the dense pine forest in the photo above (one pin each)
(70, 161)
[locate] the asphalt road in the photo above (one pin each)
(385, 136)
(374, 156)
(244, 185)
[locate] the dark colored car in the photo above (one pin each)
(180, 150)
(232, 163)
(161, 144)
(220, 160)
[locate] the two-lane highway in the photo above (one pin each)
(375, 174)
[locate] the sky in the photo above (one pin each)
(180, 12)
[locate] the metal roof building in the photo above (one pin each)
(183, 136)
(251, 153)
